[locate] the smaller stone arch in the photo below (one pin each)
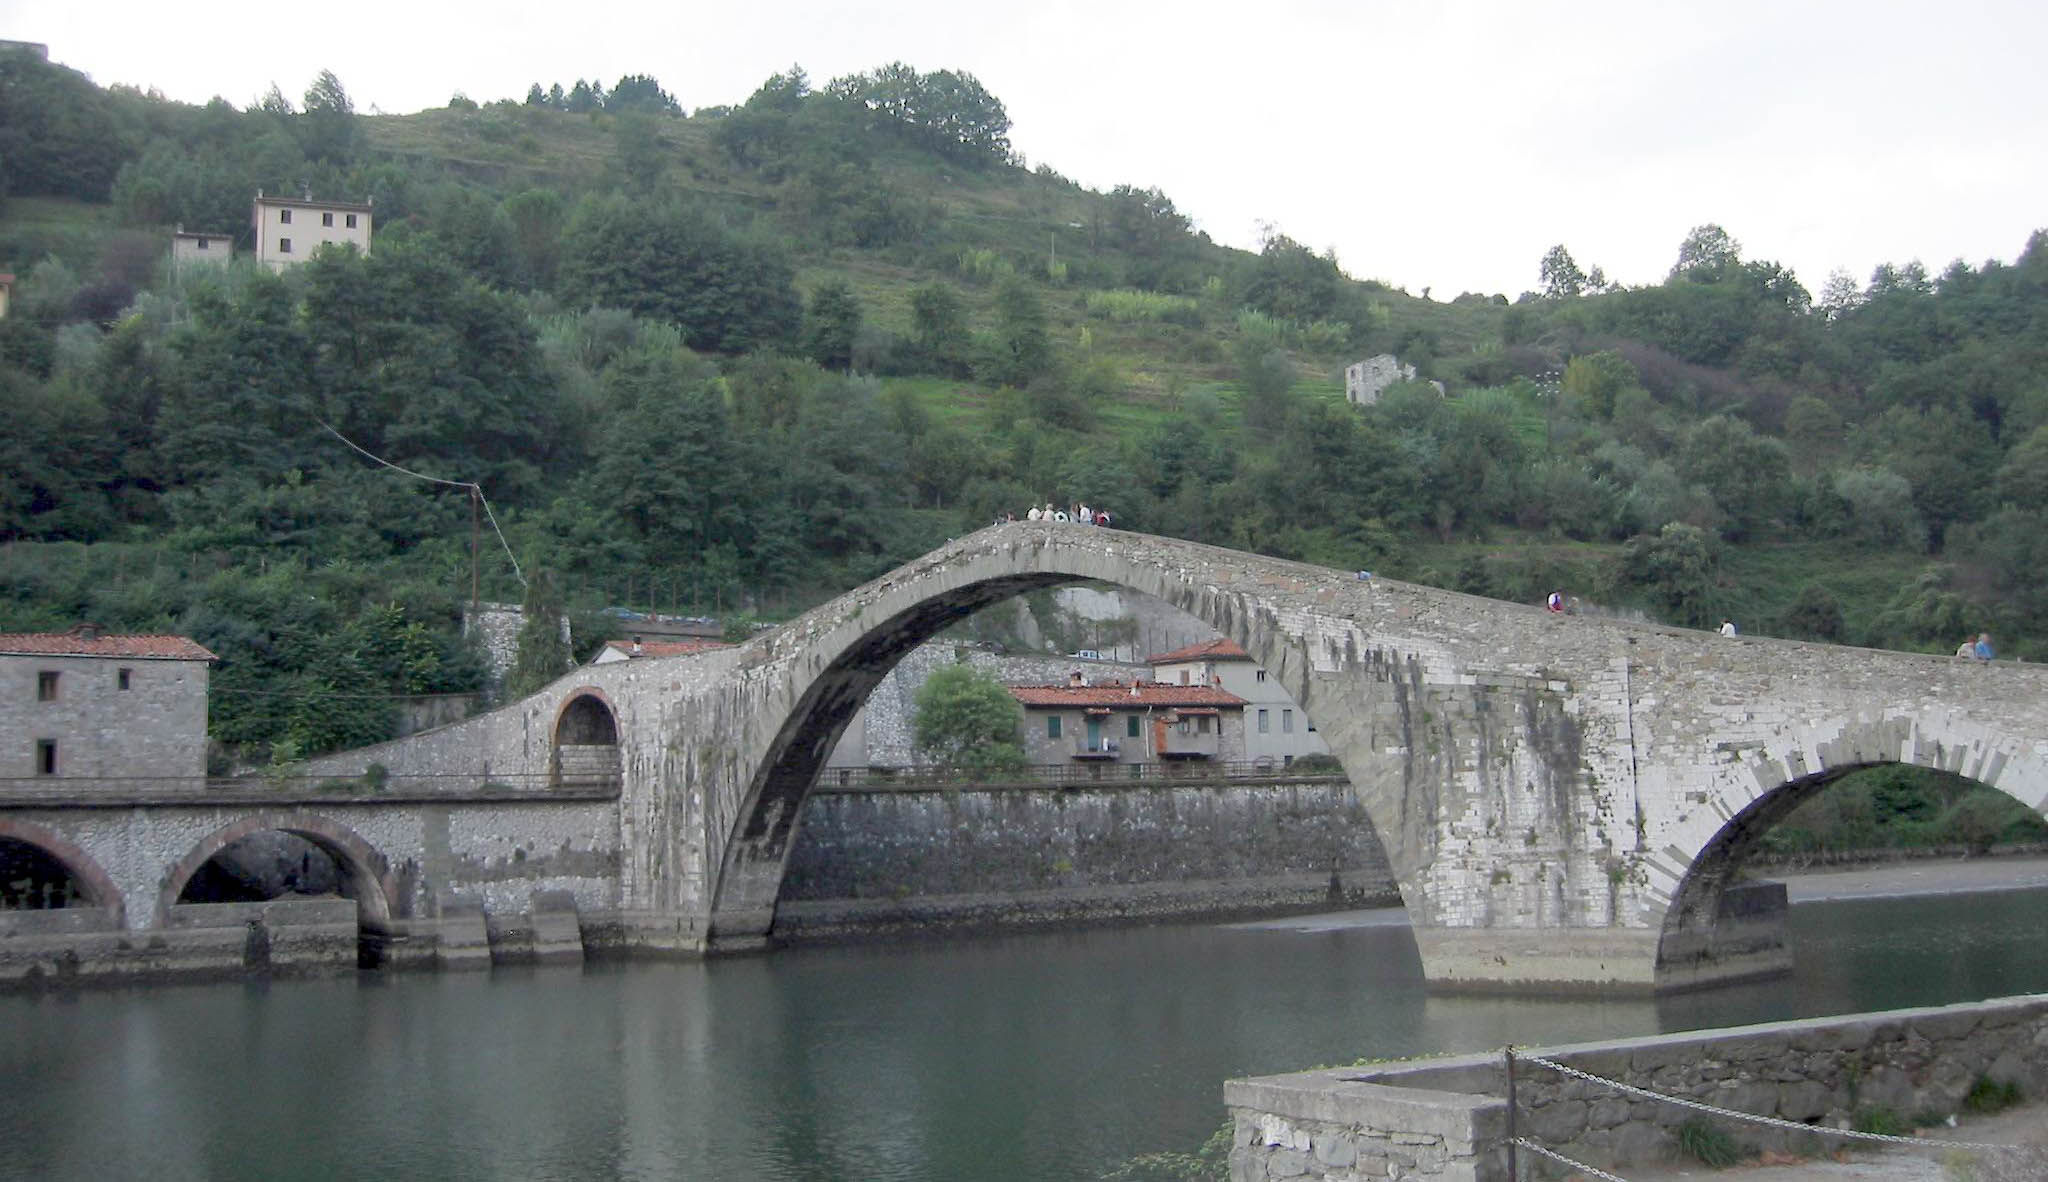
(1694, 873)
(367, 870)
(85, 870)
(585, 747)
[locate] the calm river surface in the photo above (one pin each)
(1039, 1057)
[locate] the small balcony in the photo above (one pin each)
(1199, 745)
(1094, 750)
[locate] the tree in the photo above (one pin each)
(831, 324)
(967, 719)
(939, 328)
(1815, 615)
(328, 130)
(1708, 255)
(1676, 570)
(640, 149)
(1595, 381)
(1562, 278)
(543, 648)
(1747, 474)
(1023, 350)
(640, 92)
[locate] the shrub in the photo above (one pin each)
(1708, 1144)
(1882, 1121)
(1987, 1096)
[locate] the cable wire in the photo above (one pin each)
(471, 485)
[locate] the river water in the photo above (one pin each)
(1037, 1057)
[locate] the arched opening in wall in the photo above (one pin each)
(1006, 743)
(31, 879)
(316, 888)
(266, 865)
(1897, 855)
(586, 747)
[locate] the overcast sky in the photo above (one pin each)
(1440, 145)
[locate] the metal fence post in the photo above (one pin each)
(1514, 1170)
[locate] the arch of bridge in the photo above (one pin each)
(1686, 875)
(367, 869)
(1311, 628)
(92, 879)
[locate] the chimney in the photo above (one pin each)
(87, 631)
(1074, 680)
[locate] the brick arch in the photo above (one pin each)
(1688, 874)
(84, 869)
(367, 869)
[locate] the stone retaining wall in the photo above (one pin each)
(866, 862)
(1447, 1119)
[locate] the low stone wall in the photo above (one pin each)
(1447, 1118)
(876, 861)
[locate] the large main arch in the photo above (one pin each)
(1372, 691)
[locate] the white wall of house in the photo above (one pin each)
(289, 230)
(1275, 726)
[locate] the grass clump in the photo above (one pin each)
(1882, 1121)
(1708, 1144)
(1987, 1096)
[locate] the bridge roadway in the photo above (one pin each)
(1563, 799)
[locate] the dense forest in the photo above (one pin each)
(740, 359)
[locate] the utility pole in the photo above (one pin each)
(475, 534)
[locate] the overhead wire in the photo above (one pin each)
(471, 485)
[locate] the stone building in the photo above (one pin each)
(290, 229)
(1365, 381)
(85, 704)
(192, 246)
(1276, 728)
(1130, 722)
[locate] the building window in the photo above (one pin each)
(1311, 725)
(1052, 726)
(123, 679)
(1262, 675)
(46, 686)
(46, 757)
(1201, 724)
(1287, 722)
(284, 246)
(284, 217)
(1131, 727)
(349, 220)
(1265, 724)
(326, 219)
(1183, 677)
(203, 244)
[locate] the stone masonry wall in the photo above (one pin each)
(1446, 1118)
(1022, 855)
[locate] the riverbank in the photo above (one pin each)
(1899, 879)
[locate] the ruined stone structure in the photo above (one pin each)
(1562, 800)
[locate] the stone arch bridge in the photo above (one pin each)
(1562, 799)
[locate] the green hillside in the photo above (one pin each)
(741, 359)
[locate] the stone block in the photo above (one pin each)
(1335, 1150)
(1641, 1142)
(1609, 1112)
(1558, 1123)
(1804, 1100)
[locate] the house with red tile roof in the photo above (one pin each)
(615, 651)
(1129, 722)
(87, 704)
(1276, 727)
